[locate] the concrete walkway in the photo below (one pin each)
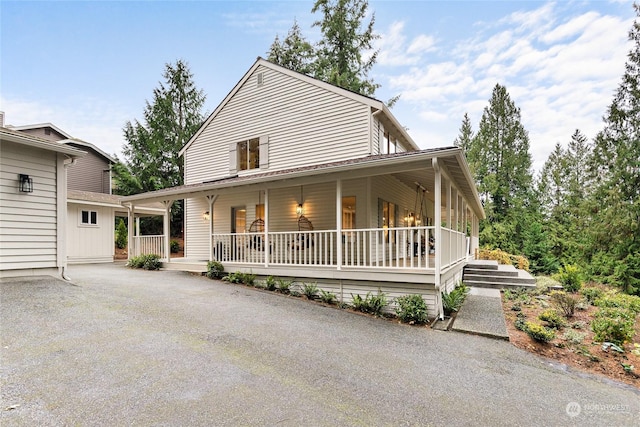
(481, 314)
(123, 347)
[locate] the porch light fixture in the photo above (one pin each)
(299, 209)
(206, 216)
(26, 184)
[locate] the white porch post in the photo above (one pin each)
(339, 223)
(438, 231)
(166, 224)
(130, 231)
(456, 213)
(267, 252)
(211, 200)
(449, 205)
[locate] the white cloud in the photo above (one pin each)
(394, 50)
(561, 70)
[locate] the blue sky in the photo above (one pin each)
(89, 66)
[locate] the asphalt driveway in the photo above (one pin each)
(124, 347)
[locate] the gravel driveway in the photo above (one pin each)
(124, 347)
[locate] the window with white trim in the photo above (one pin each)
(249, 154)
(88, 217)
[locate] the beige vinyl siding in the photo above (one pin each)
(28, 228)
(305, 125)
(53, 135)
(196, 231)
(89, 173)
(90, 243)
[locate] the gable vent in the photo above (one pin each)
(260, 79)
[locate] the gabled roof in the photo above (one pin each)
(375, 104)
(84, 144)
(34, 141)
(40, 126)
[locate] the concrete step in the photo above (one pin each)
(499, 279)
(505, 285)
(483, 264)
(492, 273)
(191, 267)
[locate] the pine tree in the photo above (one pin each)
(616, 167)
(152, 147)
(345, 41)
(499, 155)
(465, 137)
(294, 52)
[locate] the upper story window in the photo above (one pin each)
(249, 154)
(389, 144)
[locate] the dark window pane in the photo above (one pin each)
(85, 217)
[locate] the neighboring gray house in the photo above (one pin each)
(294, 177)
(33, 204)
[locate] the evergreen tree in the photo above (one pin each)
(465, 138)
(345, 41)
(151, 148)
(294, 52)
(502, 145)
(616, 167)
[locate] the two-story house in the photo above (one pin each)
(294, 177)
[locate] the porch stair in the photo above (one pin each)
(490, 274)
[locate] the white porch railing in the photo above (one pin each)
(375, 248)
(148, 245)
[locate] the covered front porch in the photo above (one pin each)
(391, 221)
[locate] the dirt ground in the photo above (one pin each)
(587, 356)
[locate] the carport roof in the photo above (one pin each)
(451, 158)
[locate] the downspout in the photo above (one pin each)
(437, 217)
(62, 211)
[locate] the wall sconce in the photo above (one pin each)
(206, 216)
(299, 209)
(26, 184)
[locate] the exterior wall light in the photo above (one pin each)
(299, 209)
(206, 216)
(26, 184)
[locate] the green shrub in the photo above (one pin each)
(174, 246)
(565, 302)
(569, 278)
(248, 278)
(270, 284)
(573, 337)
(618, 300)
(145, 261)
(613, 325)
(552, 318)
(215, 270)
(592, 293)
(373, 304)
(327, 297)
(236, 277)
(310, 290)
(453, 300)
(521, 322)
(538, 332)
(411, 309)
(121, 234)
(284, 286)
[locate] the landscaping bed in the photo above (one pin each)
(571, 339)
